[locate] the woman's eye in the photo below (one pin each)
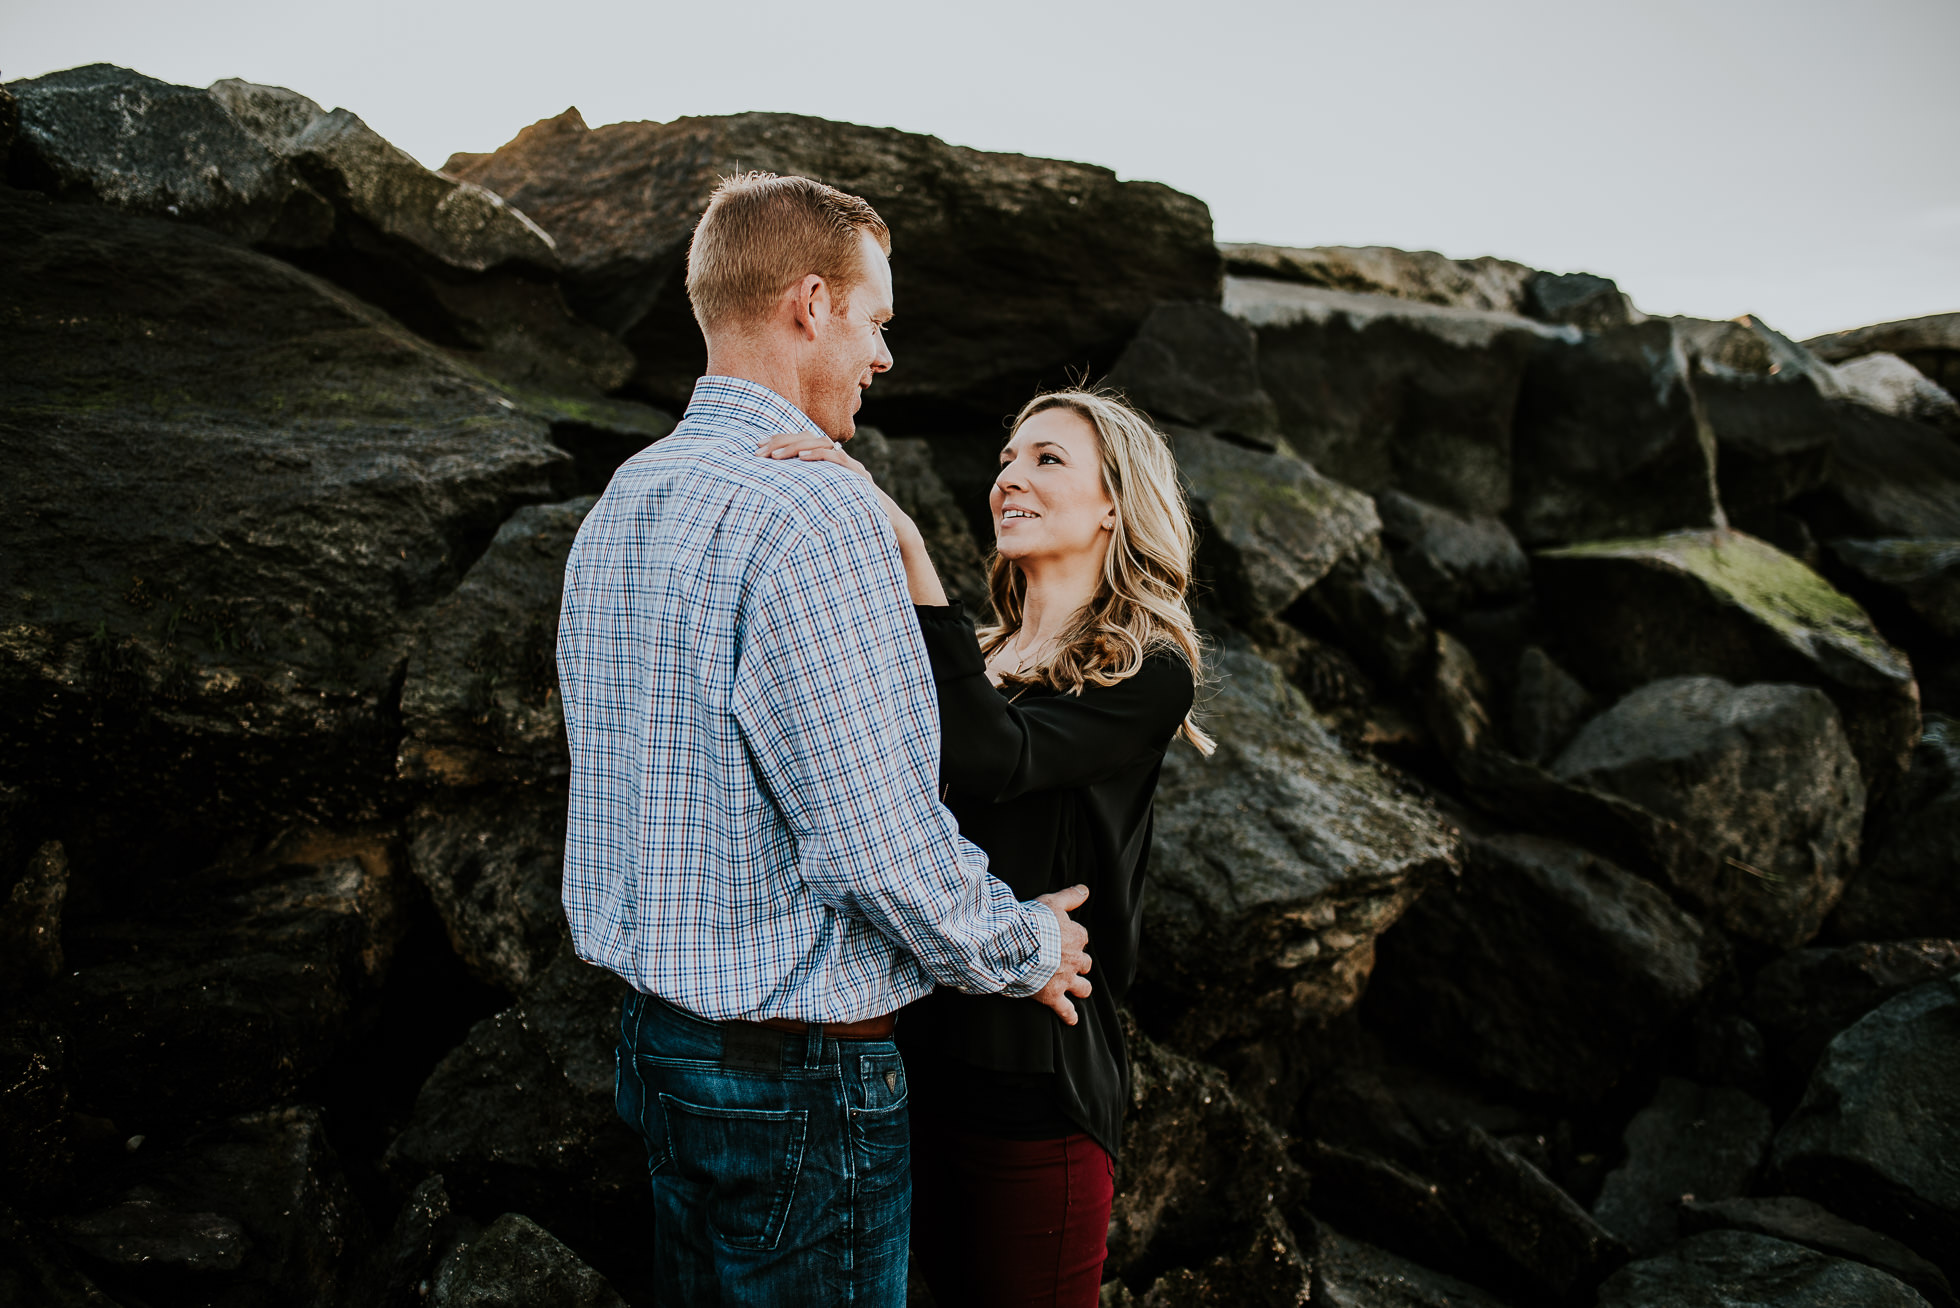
(1048, 458)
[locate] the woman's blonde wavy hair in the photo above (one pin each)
(1140, 606)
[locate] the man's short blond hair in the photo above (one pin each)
(761, 233)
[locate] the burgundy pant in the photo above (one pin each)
(1003, 1223)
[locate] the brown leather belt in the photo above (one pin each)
(870, 1028)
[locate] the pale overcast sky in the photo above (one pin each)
(1797, 160)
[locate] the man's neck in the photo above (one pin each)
(760, 367)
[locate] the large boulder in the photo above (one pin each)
(229, 498)
(1197, 366)
(30, 923)
(1760, 775)
(1545, 968)
(903, 469)
(1353, 1274)
(519, 1116)
(1387, 392)
(1584, 300)
(113, 136)
(1692, 1141)
(1451, 562)
(515, 1263)
(1610, 440)
(1494, 285)
(1768, 402)
(1203, 1178)
(1803, 999)
(1930, 344)
(1278, 861)
(1888, 477)
(1271, 525)
(1891, 385)
(1737, 1269)
(1014, 269)
(1724, 604)
(232, 988)
(493, 862)
(1909, 885)
(1877, 1135)
(1799, 1221)
(1924, 574)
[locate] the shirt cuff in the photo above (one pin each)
(1046, 929)
(952, 645)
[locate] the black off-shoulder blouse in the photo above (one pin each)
(1057, 789)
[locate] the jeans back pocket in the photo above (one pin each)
(747, 1161)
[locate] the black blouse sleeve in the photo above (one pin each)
(1002, 749)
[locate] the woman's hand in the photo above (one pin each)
(922, 579)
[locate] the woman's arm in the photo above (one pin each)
(921, 578)
(999, 748)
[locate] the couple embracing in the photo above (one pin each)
(852, 853)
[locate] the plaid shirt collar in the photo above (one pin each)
(722, 404)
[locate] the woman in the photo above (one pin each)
(1055, 719)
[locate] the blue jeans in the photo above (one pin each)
(781, 1163)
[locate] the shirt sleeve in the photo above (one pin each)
(835, 700)
(1003, 749)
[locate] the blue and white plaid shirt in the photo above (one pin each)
(754, 827)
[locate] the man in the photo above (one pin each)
(755, 840)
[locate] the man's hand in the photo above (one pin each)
(1071, 976)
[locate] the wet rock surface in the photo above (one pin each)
(516, 1262)
(1692, 1142)
(1351, 1274)
(1799, 1221)
(1907, 886)
(1734, 1269)
(1803, 999)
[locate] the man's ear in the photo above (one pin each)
(809, 305)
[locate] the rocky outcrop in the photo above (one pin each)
(1692, 1142)
(1013, 268)
(1493, 285)
(1877, 1129)
(1925, 574)
(1546, 968)
(1350, 1274)
(1584, 300)
(1799, 1221)
(904, 470)
(1930, 344)
(1384, 392)
(212, 622)
(1803, 999)
(1451, 562)
(516, 1263)
(1768, 402)
(1194, 365)
(1906, 887)
(1610, 440)
(1548, 706)
(1759, 776)
(1735, 1269)
(30, 923)
(1278, 862)
(1888, 478)
(1724, 604)
(493, 863)
(113, 136)
(1891, 385)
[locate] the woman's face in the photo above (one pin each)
(1048, 501)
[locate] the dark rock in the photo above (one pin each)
(1199, 1168)
(1768, 401)
(1450, 561)
(479, 702)
(493, 864)
(116, 137)
(1760, 775)
(1374, 615)
(904, 470)
(9, 126)
(231, 988)
(1722, 604)
(1268, 1268)
(1278, 861)
(30, 923)
(1456, 700)
(1909, 886)
(258, 1208)
(1735, 1269)
(1389, 1203)
(1350, 1274)
(1271, 525)
(1197, 366)
(222, 523)
(1422, 275)
(1803, 999)
(520, 1115)
(516, 1263)
(425, 1230)
(1548, 705)
(36, 1157)
(1925, 573)
(1545, 968)
(1888, 478)
(1691, 1142)
(1879, 1126)
(33, 1270)
(1583, 300)
(1930, 344)
(1891, 385)
(1013, 268)
(1383, 392)
(1799, 1221)
(1610, 441)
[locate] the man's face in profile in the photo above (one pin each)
(851, 346)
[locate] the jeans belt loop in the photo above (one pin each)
(813, 1046)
